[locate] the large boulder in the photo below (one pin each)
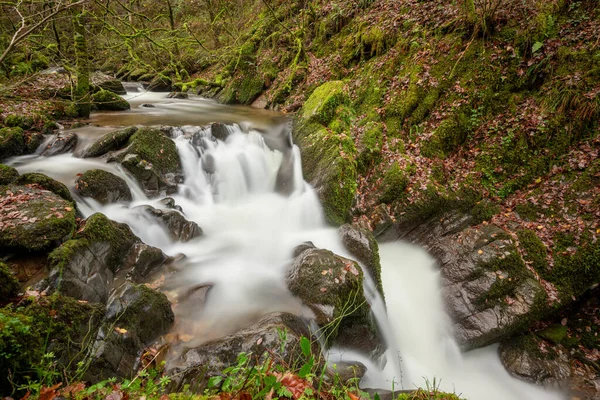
(60, 145)
(143, 261)
(179, 228)
(56, 187)
(32, 218)
(361, 243)
(110, 142)
(488, 291)
(135, 317)
(12, 142)
(7, 174)
(106, 82)
(532, 359)
(84, 267)
(322, 103)
(153, 160)
(332, 287)
(196, 366)
(102, 186)
(109, 101)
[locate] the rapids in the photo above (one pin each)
(250, 230)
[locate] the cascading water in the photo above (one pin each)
(232, 190)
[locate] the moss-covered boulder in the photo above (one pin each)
(135, 316)
(106, 82)
(110, 142)
(62, 143)
(7, 174)
(9, 285)
(361, 243)
(109, 101)
(328, 164)
(84, 267)
(47, 183)
(153, 160)
(332, 287)
(33, 218)
(393, 184)
(102, 186)
(322, 103)
(12, 142)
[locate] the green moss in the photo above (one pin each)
(573, 274)
(322, 103)
(102, 186)
(153, 147)
(448, 136)
(248, 89)
(12, 142)
(393, 185)
(555, 333)
(47, 183)
(7, 174)
(109, 101)
(13, 121)
(535, 251)
(370, 145)
(9, 285)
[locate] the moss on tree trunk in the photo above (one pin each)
(81, 96)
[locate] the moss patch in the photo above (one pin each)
(47, 183)
(323, 102)
(109, 101)
(9, 285)
(153, 147)
(393, 185)
(7, 174)
(12, 142)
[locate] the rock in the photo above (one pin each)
(135, 317)
(47, 183)
(102, 186)
(108, 83)
(169, 202)
(33, 140)
(147, 105)
(488, 291)
(143, 260)
(160, 83)
(105, 100)
(347, 371)
(529, 358)
(196, 366)
(9, 285)
(219, 131)
(321, 104)
(177, 95)
(178, 227)
(303, 247)
(84, 267)
(332, 287)
(361, 243)
(32, 218)
(153, 160)
(60, 145)
(7, 174)
(12, 142)
(209, 165)
(381, 220)
(110, 142)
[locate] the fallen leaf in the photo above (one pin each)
(120, 330)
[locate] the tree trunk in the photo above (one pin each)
(81, 95)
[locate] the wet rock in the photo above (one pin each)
(332, 287)
(177, 95)
(47, 183)
(196, 366)
(110, 142)
(135, 317)
(160, 83)
(33, 140)
(7, 174)
(284, 183)
(219, 131)
(209, 164)
(179, 228)
(109, 101)
(32, 218)
(143, 260)
(106, 82)
(531, 359)
(169, 202)
(84, 267)
(12, 142)
(60, 145)
(147, 105)
(153, 160)
(382, 221)
(302, 247)
(488, 291)
(361, 243)
(102, 186)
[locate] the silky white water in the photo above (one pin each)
(250, 231)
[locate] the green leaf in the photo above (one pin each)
(536, 47)
(376, 397)
(305, 346)
(306, 368)
(284, 392)
(214, 381)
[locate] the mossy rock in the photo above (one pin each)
(19, 121)
(331, 172)
(109, 101)
(12, 142)
(33, 140)
(9, 285)
(110, 142)
(556, 333)
(7, 174)
(33, 218)
(370, 146)
(393, 185)
(448, 136)
(47, 183)
(153, 160)
(322, 103)
(102, 186)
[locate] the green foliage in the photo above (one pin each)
(535, 251)
(371, 144)
(556, 333)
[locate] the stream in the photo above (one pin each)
(250, 230)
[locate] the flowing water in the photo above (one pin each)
(249, 233)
